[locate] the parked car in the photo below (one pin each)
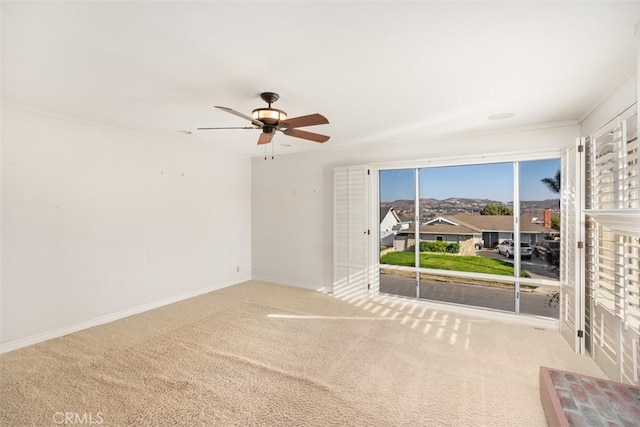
(548, 250)
(506, 248)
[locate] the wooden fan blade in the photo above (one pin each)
(306, 135)
(302, 121)
(265, 138)
(236, 113)
(233, 127)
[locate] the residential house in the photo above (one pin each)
(495, 228)
(390, 225)
(471, 231)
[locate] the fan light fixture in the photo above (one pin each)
(269, 116)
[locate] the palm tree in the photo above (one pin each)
(553, 184)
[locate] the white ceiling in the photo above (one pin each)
(379, 71)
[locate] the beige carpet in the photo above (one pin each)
(265, 354)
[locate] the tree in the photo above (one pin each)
(553, 184)
(555, 223)
(494, 209)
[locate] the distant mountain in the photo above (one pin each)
(431, 207)
(544, 204)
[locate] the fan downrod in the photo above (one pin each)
(269, 97)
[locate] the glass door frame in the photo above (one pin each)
(515, 159)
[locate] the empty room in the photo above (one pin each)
(305, 213)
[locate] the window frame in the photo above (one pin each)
(515, 158)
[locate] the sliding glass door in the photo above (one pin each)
(460, 208)
(539, 194)
(468, 234)
(397, 232)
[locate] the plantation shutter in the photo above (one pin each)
(571, 262)
(613, 247)
(351, 231)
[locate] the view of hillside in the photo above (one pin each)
(430, 207)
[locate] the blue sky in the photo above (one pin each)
(491, 181)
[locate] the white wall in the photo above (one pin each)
(292, 197)
(618, 101)
(98, 223)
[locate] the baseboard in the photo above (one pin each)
(56, 333)
(303, 285)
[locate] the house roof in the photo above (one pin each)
(445, 228)
(497, 222)
(169, 63)
(441, 228)
(440, 220)
(384, 211)
(476, 224)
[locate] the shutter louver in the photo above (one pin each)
(612, 260)
(570, 263)
(350, 231)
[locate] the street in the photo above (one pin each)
(537, 268)
(496, 297)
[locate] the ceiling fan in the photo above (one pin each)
(271, 120)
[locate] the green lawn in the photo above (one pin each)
(473, 264)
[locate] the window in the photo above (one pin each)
(612, 248)
(451, 221)
(611, 199)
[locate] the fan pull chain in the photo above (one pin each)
(265, 152)
(272, 151)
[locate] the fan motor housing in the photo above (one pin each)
(269, 97)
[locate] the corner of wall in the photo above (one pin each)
(615, 103)
(59, 332)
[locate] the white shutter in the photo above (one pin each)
(571, 313)
(613, 248)
(351, 231)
